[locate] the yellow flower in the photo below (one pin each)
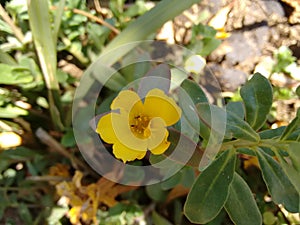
(133, 126)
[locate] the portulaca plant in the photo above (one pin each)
(149, 123)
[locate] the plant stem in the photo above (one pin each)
(269, 143)
(17, 31)
(97, 19)
(92, 17)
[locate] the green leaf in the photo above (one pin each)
(295, 136)
(240, 205)
(204, 31)
(278, 184)
(58, 17)
(159, 220)
(188, 177)
(236, 108)
(189, 95)
(177, 78)
(25, 213)
(14, 75)
(216, 118)
(209, 192)
(294, 153)
(155, 192)
(137, 9)
(291, 127)
(219, 218)
(269, 218)
(172, 181)
(257, 95)
(209, 44)
(45, 44)
(273, 133)
(298, 91)
(183, 150)
(4, 27)
(68, 140)
(11, 111)
(239, 129)
(291, 172)
(194, 91)
(108, 77)
(135, 65)
(6, 58)
(18, 154)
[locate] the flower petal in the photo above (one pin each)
(120, 123)
(158, 132)
(157, 104)
(105, 129)
(160, 149)
(126, 100)
(126, 154)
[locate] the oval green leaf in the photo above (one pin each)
(278, 183)
(240, 205)
(291, 172)
(216, 118)
(183, 150)
(189, 95)
(209, 192)
(14, 75)
(291, 127)
(236, 108)
(257, 95)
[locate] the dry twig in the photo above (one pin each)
(97, 19)
(17, 31)
(54, 145)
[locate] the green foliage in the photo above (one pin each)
(210, 190)
(257, 107)
(279, 177)
(29, 74)
(284, 58)
(240, 204)
(14, 75)
(203, 40)
(120, 214)
(279, 186)
(235, 127)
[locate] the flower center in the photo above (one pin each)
(139, 126)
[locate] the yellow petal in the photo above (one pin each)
(105, 129)
(126, 154)
(158, 132)
(160, 149)
(157, 104)
(74, 214)
(121, 126)
(126, 100)
(222, 35)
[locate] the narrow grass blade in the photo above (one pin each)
(39, 20)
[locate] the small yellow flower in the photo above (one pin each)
(222, 34)
(133, 126)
